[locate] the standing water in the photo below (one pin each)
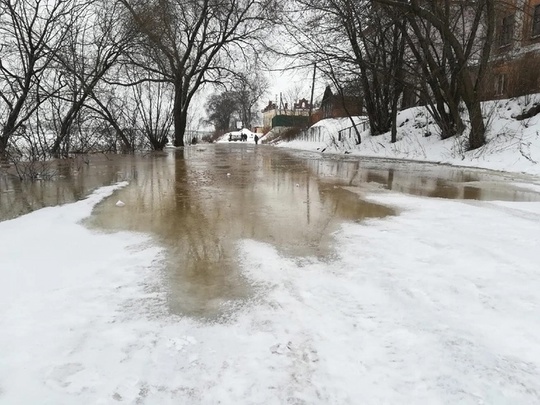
(200, 201)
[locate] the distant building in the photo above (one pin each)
(515, 59)
(337, 105)
(274, 116)
(269, 112)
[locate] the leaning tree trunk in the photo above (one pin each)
(110, 118)
(67, 124)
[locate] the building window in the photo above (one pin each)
(507, 30)
(500, 85)
(536, 21)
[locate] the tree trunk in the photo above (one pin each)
(127, 146)
(157, 139)
(156, 145)
(109, 117)
(180, 123)
(394, 117)
(471, 100)
(478, 129)
(3, 150)
(11, 123)
(180, 116)
(65, 128)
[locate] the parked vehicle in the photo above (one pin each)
(235, 136)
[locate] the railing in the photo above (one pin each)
(322, 134)
(314, 134)
(351, 132)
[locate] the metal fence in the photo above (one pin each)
(322, 134)
(350, 132)
(314, 134)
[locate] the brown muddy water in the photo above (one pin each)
(200, 201)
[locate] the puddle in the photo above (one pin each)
(70, 180)
(424, 179)
(198, 203)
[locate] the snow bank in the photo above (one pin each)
(512, 145)
(408, 313)
(63, 290)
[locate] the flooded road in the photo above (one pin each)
(198, 202)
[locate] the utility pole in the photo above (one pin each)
(312, 91)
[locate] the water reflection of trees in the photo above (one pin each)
(71, 181)
(417, 179)
(166, 199)
(198, 212)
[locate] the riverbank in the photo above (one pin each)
(512, 145)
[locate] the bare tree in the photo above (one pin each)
(92, 47)
(238, 102)
(465, 30)
(116, 114)
(220, 109)
(295, 92)
(31, 32)
(153, 103)
(430, 60)
(356, 45)
(249, 86)
(192, 42)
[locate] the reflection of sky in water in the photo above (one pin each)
(293, 201)
(430, 180)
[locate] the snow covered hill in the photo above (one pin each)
(512, 145)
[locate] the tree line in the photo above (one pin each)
(393, 54)
(76, 75)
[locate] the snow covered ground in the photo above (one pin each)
(437, 305)
(512, 145)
